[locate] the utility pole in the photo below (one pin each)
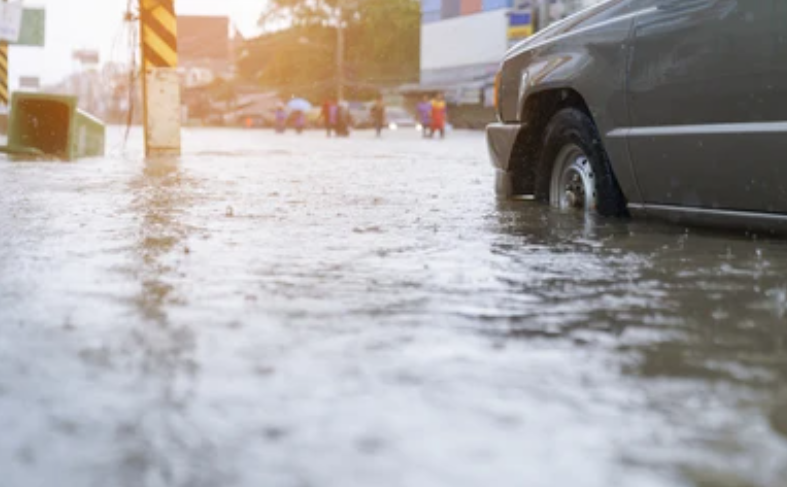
(160, 80)
(340, 52)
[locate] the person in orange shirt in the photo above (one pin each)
(439, 115)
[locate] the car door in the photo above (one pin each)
(707, 114)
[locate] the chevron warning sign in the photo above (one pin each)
(159, 33)
(4, 74)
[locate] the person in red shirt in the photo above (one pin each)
(439, 115)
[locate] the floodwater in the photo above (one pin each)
(297, 311)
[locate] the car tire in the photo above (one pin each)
(574, 169)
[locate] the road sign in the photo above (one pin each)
(520, 25)
(33, 31)
(10, 21)
(30, 82)
(86, 56)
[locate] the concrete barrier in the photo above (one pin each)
(53, 126)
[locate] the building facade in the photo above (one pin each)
(463, 41)
(205, 49)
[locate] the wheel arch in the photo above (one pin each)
(538, 109)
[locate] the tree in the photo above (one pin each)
(295, 13)
(297, 54)
(386, 40)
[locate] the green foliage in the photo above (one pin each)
(297, 55)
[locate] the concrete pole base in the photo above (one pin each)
(162, 112)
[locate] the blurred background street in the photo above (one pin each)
(238, 59)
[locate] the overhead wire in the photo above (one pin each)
(133, 31)
(108, 76)
(126, 61)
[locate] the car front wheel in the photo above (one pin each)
(574, 172)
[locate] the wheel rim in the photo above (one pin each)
(573, 184)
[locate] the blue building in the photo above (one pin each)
(437, 10)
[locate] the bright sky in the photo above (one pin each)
(95, 24)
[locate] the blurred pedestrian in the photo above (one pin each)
(425, 116)
(328, 115)
(378, 115)
(280, 118)
(343, 119)
(333, 116)
(300, 121)
(439, 115)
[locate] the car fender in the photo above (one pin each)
(591, 62)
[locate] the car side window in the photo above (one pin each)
(609, 11)
(671, 5)
(638, 5)
(684, 5)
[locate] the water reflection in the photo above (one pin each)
(159, 198)
(699, 307)
(158, 444)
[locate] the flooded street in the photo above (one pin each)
(297, 311)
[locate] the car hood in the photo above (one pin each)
(580, 20)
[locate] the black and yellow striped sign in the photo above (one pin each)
(4, 73)
(159, 33)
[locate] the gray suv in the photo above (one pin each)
(674, 108)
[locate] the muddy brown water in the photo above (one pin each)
(296, 311)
